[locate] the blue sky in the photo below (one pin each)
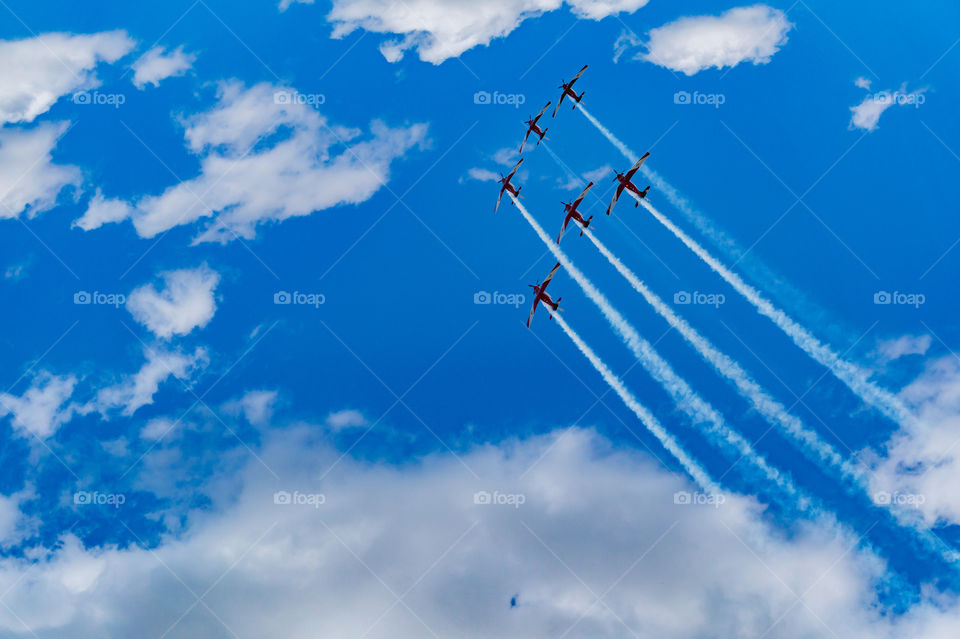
(173, 173)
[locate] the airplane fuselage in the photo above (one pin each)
(627, 184)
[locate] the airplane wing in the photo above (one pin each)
(509, 177)
(559, 102)
(636, 167)
(533, 310)
(616, 196)
(577, 202)
(541, 112)
(553, 272)
(525, 139)
(563, 229)
(579, 73)
(499, 197)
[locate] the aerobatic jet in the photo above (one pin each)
(625, 183)
(505, 181)
(568, 90)
(540, 294)
(533, 128)
(574, 214)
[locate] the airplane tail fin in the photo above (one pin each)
(644, 192)
(579, 97)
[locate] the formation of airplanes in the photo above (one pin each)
(571, 210)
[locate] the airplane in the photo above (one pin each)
(574, 214)
(533, 128)
(625, 183)
(505, 181)
(568, 90)
(540, 294)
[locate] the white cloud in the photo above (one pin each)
(101, 210)
(29, 180)
(38, 71)
(442, 29)
(891, 349)
(863, 83)
(285, 4)
(255, 406)
(158, 64)
(42, 408)
(594, 522)
(137, 390)
(185, 303)
(598, 173)
(743, 34)
(866, 115)
(346, 419)
(482, 175)
(922, 462)
(295, 175)
(625, 41)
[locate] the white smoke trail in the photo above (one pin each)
(856, 379)
(851, 375)
(651, 423)
(681, 392)
(775, 412)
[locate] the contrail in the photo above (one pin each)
(651, 423)
(775, 412)
(847, 372)
(851, 375)
(681, 392)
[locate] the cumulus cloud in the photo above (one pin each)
(186, 302)
(921, 468)
(597, 548)
(891, 349)
(137, 390)
(482, 175)
(245, 182)
(159, 64)
(866, 115)
(442, 29)
(42, 408)
(29, 180)
(343, 419)
(255, 406)
(38, 71)
(743, 34)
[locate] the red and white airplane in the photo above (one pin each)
(540, 294)
(533, 128)
(505, 181)
(625, 183)
(568, 90)
(574, 214)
